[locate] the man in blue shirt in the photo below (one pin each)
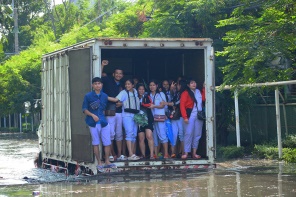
(93, 107)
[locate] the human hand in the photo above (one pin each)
(105, 62)
(151, 106)
(96, 118)
(186, 121)
(173, 85)
(119, 104)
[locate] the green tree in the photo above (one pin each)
(5, 19)
(27, 10)
(261, 45)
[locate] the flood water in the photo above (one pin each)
(17, 152)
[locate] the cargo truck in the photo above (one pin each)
(64, 138)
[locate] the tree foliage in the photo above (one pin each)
(261, 44)
(257, 35)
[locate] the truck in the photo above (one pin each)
(64, 138)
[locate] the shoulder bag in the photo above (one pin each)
(158, 118)
(201, 115)
(110, 109)
(129, 109)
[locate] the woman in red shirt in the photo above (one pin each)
(190, 104)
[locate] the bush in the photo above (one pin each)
(7, 129)
(265, 151)
(230, 152)
(290, 141)
(289, 155)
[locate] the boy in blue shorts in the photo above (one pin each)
(93, 107)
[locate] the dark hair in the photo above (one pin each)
(139, 85)
(191, 94)
(164, 81)
(118, 69)
(130, 80)
(153, 81)
(136, 77)
(183, 85)
(96, 79)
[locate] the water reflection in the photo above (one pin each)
(17, 157)
(214, 183)
(280, 180)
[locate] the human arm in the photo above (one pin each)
(173, 88)
(112, 99)
(199, 100)
(183, 101)
(96, 118)
(169, 103)
(203, 94)
(161, 104)
(103, 64)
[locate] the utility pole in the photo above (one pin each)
(15, 29)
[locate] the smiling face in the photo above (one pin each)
(141, 90)
(165, 85)
(129, 86)
(152, 86)
(118, 74)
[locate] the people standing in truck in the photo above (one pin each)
(190, 104)
(93, 107)
(166, 90)
(131, 105)
(136, 80)
(175, 116)
(112, 86)
(158, 111)
(146, 131)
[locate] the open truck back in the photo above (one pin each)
(64, 138)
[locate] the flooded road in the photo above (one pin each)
(17, 153)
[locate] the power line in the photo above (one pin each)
(100, 16)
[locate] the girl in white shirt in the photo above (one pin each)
(130, 100)
(158, 108)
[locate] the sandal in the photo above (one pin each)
(133, 157)
(166, 156)
(184, 157)
(122, 158)
(111, 165)
(111, 158)
(100, 168)
(152, 158)
(173, 156)
(196, 156)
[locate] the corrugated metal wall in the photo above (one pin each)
(56, 108)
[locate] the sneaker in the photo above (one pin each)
(122, 158)
(111, 158)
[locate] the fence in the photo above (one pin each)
(258, 124)
(20, 122)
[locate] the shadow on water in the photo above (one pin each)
(141, 176)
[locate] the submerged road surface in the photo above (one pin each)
(236, 178)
